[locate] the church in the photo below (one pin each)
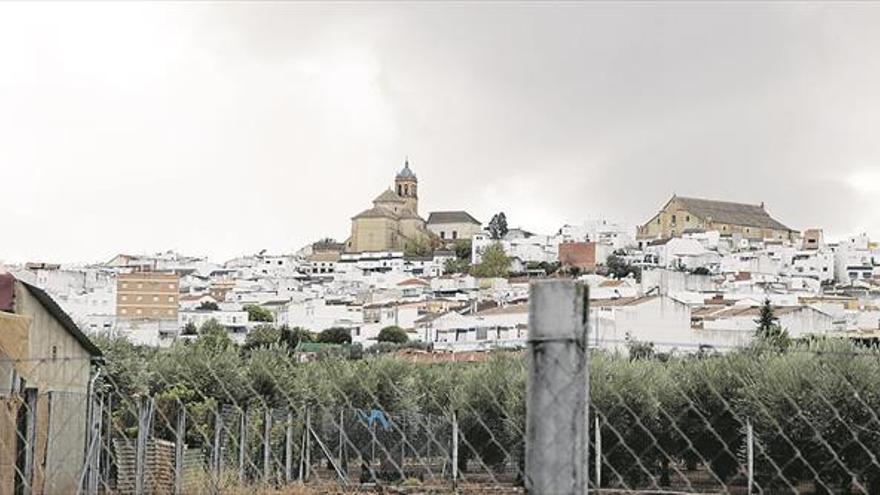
(394, 219)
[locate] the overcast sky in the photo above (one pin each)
(223, 129)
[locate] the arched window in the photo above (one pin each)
(399, 190)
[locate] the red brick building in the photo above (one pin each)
(580, 255)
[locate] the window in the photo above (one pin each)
(125, 298)
(687, 218)
(171, 299)
(54, 352)
(673, 219)
(139, 298)
(139, 311)
(155, 298)
(124, 285)
(124, 311)
(455, 234)
(170, 286)
(442, 234)
(482, 334)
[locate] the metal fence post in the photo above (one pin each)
(95, 450)
(145, 417)
(557, 424)
(242, 443)
(107, 449)
(750, 452)
(454, 450)
(179, 448)
(218, 428)
(307, 455)
(598, 454)
(288, 448)
(343, 456)
(267, 430)
(30, 404)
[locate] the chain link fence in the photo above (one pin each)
(208, 416)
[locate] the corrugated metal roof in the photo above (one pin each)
(63, 318)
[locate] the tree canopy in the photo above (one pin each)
(498, 226)
(619, 267)
(335, 335)
(261, 336)
(293, 336)
(393, 334)
(418, 247)
(258, 313)
(493, 263)
(768, 330)
(208, 306)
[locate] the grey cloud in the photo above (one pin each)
(269, 125)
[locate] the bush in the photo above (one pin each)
(208, 306)
(393, 334)
(189, 329)
(813, 406)
(258, 313)
(261, 336)
(293, 336)
(335, 335)
(618, 267)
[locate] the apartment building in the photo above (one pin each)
(147, 295)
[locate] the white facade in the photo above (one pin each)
(529, 249)
(502, 327)
(198, 317)
(315, 314)
(661, 320)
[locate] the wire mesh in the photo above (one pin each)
(800, 419)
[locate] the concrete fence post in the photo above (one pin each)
(557, 423)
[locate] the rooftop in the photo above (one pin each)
(406, 172)
(388, 196)
(731, 213)
(440, 217)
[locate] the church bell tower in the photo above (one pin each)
(406, 185)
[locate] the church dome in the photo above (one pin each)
(405, 172)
